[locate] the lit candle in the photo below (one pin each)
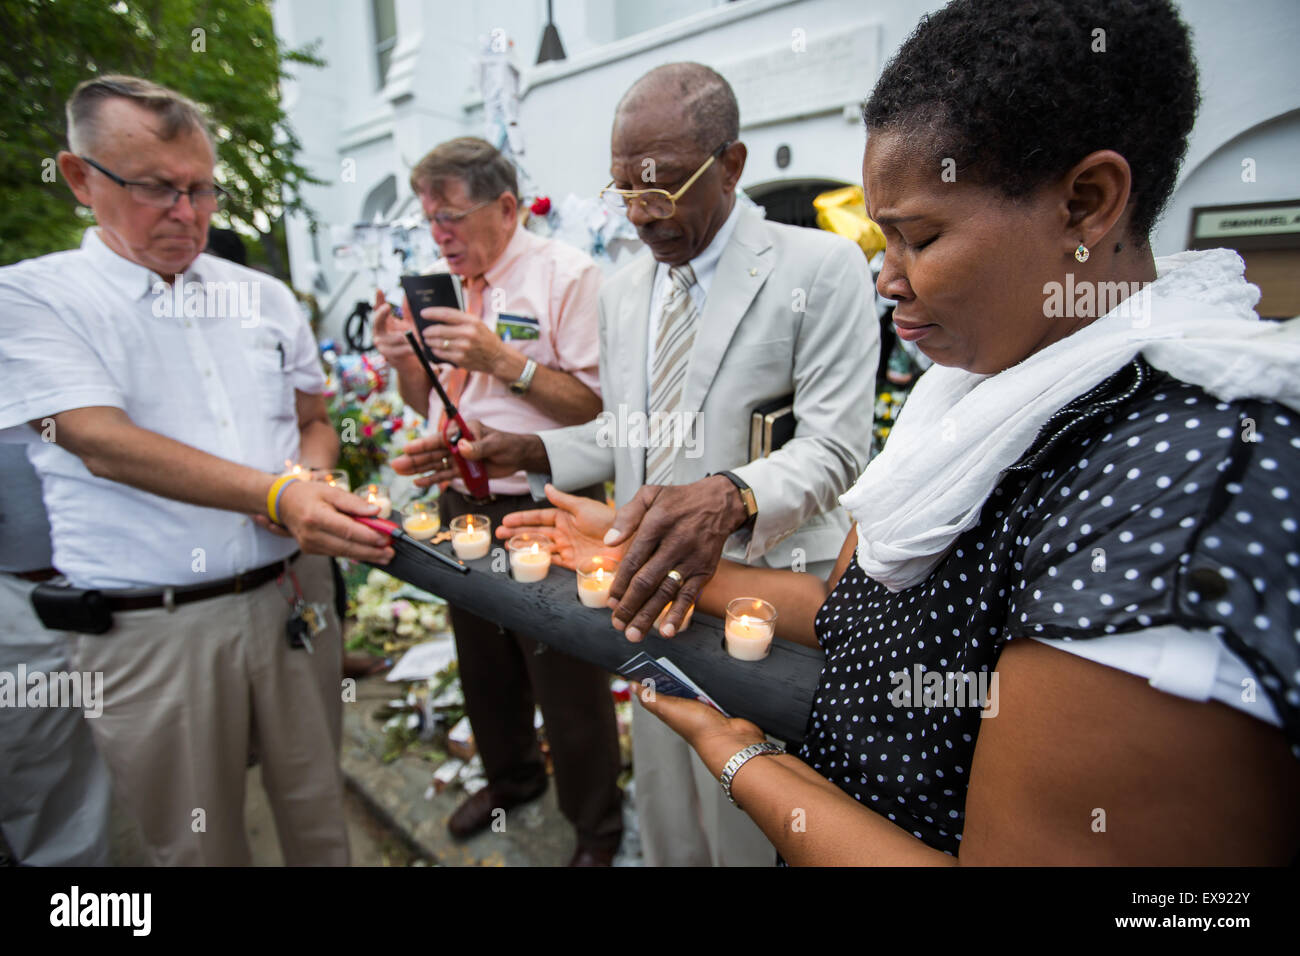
(293, 468)
(595, 577)
(335, 479)
(421, 521)
(530, 557)
(469, 536)
(751, 624)
(378, 495)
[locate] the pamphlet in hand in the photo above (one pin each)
(666, 678)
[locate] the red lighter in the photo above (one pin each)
(453, 430)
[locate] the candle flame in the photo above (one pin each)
(469, 524)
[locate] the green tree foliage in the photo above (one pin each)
(221, 53)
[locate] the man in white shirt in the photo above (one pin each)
(170, 388)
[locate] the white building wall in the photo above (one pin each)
(1245, 53)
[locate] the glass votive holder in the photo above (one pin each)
(377, 495)
(420, 520)
(686, 621)
(530, 556)
(335, 479)
(297, 469)
(751, 625)
(595, 576)
(471, 536)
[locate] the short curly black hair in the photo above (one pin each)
(1018, 91)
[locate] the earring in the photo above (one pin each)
(1081, 253)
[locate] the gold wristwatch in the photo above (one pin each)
(746, 495)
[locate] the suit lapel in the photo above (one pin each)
(629, 341)
(742, 270)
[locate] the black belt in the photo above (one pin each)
(37, 577)
(172, 596)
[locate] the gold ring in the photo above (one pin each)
(675, 575)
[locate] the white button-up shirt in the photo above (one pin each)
(213, 364)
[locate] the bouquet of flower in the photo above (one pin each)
(371, 430)
(387, 623)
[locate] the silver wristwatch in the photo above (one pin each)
(742, 758)
(520, 385)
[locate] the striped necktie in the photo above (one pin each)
(668, 373)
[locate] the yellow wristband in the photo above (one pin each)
(273, 496)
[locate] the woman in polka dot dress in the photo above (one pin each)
(1066, 627)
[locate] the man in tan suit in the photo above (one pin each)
(727, 312)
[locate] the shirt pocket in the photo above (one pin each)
(523, 333)
(272, 386)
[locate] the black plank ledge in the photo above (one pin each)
(775, 693)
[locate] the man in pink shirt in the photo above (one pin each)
(523, 357)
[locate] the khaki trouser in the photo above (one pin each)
(188, 692)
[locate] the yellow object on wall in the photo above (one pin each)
(844, 212)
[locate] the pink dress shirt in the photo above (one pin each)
(556, 284)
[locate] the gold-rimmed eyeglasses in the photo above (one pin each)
(656, 203)
(159, 196)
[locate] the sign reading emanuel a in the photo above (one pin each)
(1225, 223)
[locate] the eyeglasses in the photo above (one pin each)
(447, 220)
(203, 199)
(655, 203)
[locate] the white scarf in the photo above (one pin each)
(958, 431)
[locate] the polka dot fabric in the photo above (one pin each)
(1144, 502)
